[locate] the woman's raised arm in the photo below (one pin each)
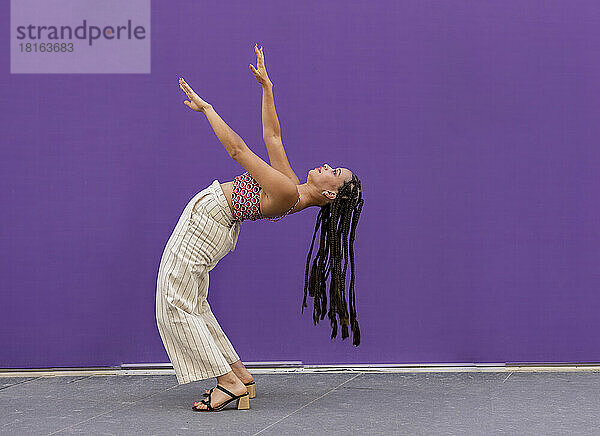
(271, 128)
(232, 142)
(276, 185)
(269, 116)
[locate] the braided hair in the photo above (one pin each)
(338, 220)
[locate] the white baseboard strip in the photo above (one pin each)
(297, 367)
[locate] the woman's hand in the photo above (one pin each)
(260, 72)
(195, 102)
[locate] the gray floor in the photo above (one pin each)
(565, 403)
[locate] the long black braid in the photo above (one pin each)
(337, 218)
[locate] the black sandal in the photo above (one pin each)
(243, 401)
(251, 389)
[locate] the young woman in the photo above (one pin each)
(208, 229)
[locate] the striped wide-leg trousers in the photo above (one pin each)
(195, 342)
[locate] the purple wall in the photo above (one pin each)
(473, 126)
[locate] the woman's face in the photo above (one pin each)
(328, 178)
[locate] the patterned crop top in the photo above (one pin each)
(245, 198)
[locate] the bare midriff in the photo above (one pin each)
(227, 187)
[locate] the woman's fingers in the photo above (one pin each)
(185, 90)
(185, 86)
(260, 71)
(259, 51)
(181, 82)
(256, 75)
(190, 95)
(262, 61)
(188, 90)
(194, 102)
(255, 71)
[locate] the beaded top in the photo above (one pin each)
(245, 199)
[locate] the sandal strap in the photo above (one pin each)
(206, 401)
(227, 392)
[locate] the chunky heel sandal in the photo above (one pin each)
(251, 389)
(243, 401)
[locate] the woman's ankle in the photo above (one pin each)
(243, 375)
(229, 379)
(241, 372)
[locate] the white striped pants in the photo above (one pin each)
(195, 343)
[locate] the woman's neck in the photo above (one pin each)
(309, 196)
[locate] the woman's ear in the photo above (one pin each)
(329, 194)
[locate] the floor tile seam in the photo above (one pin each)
(112, 410)
(80, 378)
(21, 383)
(310, 402)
